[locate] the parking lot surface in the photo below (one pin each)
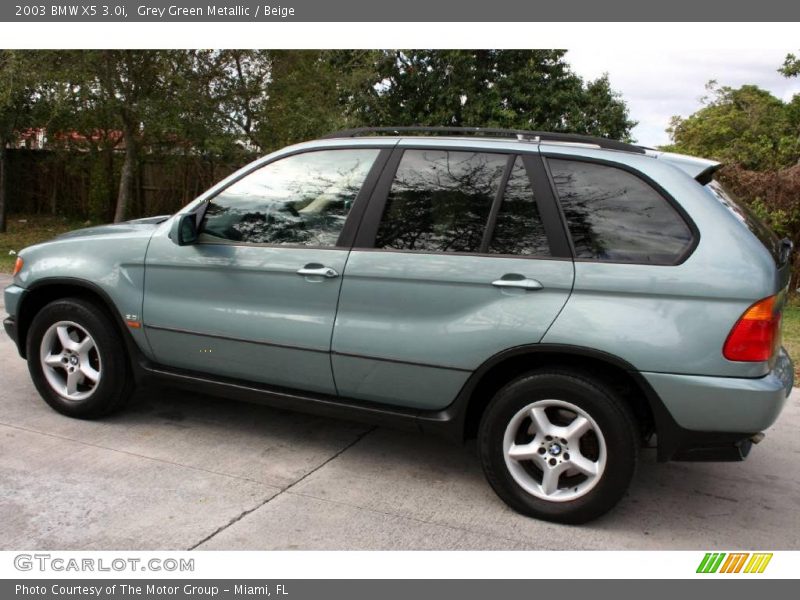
(176, 471)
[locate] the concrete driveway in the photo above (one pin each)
(177, 472)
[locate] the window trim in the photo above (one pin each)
(347, 235)
(494, 210)
(654, 185)
(549, 207)
(546, 202)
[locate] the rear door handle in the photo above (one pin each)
(517, 282)
(317, 270)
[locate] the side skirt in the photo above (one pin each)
(440, 423)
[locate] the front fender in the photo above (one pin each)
(109, 267)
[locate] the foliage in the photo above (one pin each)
(746, 126)
(223, 105)
(16, 109)
(527, 89)
(791, 66)
(312, 93)
(758, 137)
(775, 198)
(15, 95)
(131, 97)
(224, 94)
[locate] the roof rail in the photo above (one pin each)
(519, 134)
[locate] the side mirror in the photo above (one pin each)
(184, 230)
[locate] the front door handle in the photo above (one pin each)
(517, 281)
(317, 270)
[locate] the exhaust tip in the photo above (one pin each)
(756, 438)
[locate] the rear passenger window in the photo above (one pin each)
(614, 216)
(519, 229)
(440, 200)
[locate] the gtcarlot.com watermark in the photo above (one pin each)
(44, 563)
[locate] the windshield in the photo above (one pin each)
(743, 212)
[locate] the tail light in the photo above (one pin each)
(756, 335)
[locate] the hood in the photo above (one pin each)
(135, 226)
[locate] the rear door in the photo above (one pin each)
(461, 254)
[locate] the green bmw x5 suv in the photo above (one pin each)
(565, 300)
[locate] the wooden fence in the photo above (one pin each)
(84, 185)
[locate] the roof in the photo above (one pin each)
(698, 168)
(521, 135)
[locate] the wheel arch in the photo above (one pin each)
(44, 291)
(615, 372)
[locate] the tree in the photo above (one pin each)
(267, 99)
(133, 93)
(526, 89)
(791, 66)
(310, 93)
(16, 102)
(225, 104)
(747, 126)
(225, 93)
(81, 124)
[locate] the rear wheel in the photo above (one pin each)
(558, 446)
(77, 359)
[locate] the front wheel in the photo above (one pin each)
(558, 446)
(77, 360)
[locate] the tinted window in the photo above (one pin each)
(440, 201)
(742, 212)
(519, 228)
(300, 200)
(613, 215)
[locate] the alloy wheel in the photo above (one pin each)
(70, 360)
(554, 450)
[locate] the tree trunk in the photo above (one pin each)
(3, 171)
(126, 179)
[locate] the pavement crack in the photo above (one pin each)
(283, 490)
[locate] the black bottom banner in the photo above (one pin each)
(382, 589)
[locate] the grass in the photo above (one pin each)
(791, 332)
(26, 230)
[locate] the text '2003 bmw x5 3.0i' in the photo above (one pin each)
(563, 299)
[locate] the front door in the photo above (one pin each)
(255, 298)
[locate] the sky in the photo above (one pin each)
(658, 84)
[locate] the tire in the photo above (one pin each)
(62, 367)
(591, 470)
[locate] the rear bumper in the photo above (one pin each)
(716, 417)
(711, 446)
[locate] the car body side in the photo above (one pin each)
(660, 328)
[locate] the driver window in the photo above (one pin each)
(302, 199)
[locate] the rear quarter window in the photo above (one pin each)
(614, 216)
(745, 215)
